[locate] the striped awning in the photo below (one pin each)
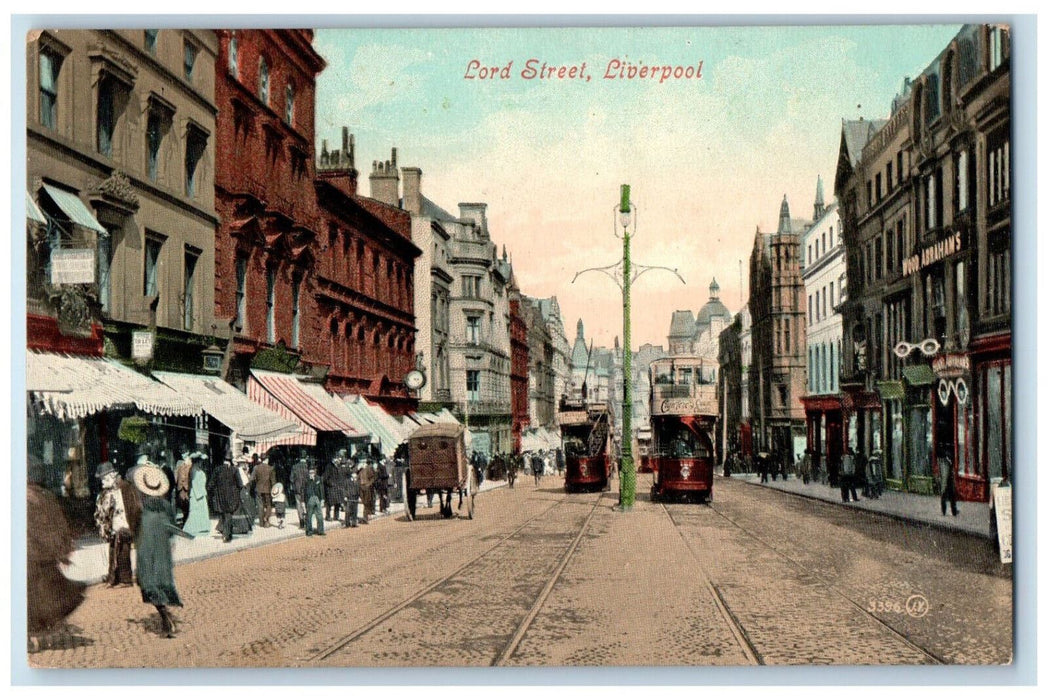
(32, 211)
(70, 387)
(246, 418)
(76, 210)
(308, 405)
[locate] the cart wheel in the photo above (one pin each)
(410, 498)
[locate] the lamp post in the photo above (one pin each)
(624, 273)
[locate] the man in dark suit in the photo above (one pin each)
(264, 479)
(367, 477)
(299, 476)
(313, 494)
(227, 497)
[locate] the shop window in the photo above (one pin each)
(920, 441)
(50, 64)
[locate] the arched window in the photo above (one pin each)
(234, 65)
(289, 104)
(263, 81)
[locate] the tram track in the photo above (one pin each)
(805, 571)
(506, 652)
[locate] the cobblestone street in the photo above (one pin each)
(543, 578)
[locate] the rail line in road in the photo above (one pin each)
(806, 571)
(506, 652)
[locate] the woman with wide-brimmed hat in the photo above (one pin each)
(154, 565)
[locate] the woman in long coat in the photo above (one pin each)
(198, 523)
(154, 565)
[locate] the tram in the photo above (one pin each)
(683, 404)
(584, 439)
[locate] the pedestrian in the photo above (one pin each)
(245, 517)
(762, 466)
(536, 467)
(478, 467)
(264, 479)
(314, 497)
(333, 495)
(859, 479)
(947, 485)
(352, 499)
(50, 596)
(874, 475)
(805, 466)
(183, 485)
(198, 524)
(299, 476)
(847, 476)
(227, 497)
(366, 477)
(279, 499)
(118, 514)
(155, 568)
(511, 470)
(561, 462)
(382, 486)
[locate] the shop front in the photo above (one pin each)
(824, 418)
(992, 450)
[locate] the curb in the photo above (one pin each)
(944, 527)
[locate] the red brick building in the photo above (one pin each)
(364, 284)
(265, 246)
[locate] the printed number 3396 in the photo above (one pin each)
(884, 606)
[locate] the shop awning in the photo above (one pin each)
(371, 417)
(919, 375)
(69, 388)
(890, 390)
(250, 421)
(76, 210)
(32, 211)
(309, 405)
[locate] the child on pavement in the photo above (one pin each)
(279, 503)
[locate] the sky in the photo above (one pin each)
(708, 159)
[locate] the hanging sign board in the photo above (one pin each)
(141, 346)
(73, 266)
(1001, 502)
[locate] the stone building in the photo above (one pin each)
(121, 161)
(776, 303)
(554, 321)
(926, 215)
(267, 242)
(365, 281)
(825, 283)
(542, 398)
(519, 364)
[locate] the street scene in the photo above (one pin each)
(278, 416)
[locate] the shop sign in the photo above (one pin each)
(687, 407)
(932, 254)
(958, 387)
(1001, 503)
(142, 346)
(951, 365)
(73, 266)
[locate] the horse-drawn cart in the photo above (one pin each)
(437, 464)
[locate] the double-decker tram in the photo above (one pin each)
(584, 435)
(683, 416)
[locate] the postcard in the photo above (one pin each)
(580, 347)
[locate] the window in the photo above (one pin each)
(106, 118)
(786, 333)
(473, 329)
(811, 317)
(842, 285)
(105, 264)
(234, 65)
(930, 205)
(289, 104)
(189, 54)
(150, 284)
(898, 166)
(878, 186)
(263, 81)
(831, 236)
(833, 302)
(877, 261)
(824, 302)
(889, 257)
(810, 258)
(999, 171)
(996, 47)
(471, 286)
(960, 299)
(50, 63)
(189, 287)
(271, 304)
(888, 177)
(196, 142)
(998, 288)
(817, 307)
(157, 125)
(961, 194)
(296, 289)
(150, 40)
(241, 296)
(472, 385)
(869, 193)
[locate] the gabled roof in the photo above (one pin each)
(682, 324)
(856, 133)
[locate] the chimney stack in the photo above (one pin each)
(412, 190)
(385, 181)
(337, 167)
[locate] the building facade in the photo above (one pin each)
(270, 223)
(926, 213)
(542, 397)
(778, 368)
(825, 282)
(519, 365)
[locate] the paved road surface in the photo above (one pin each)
(541, 577)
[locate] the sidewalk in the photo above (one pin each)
(974, 518)
(89, 562)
